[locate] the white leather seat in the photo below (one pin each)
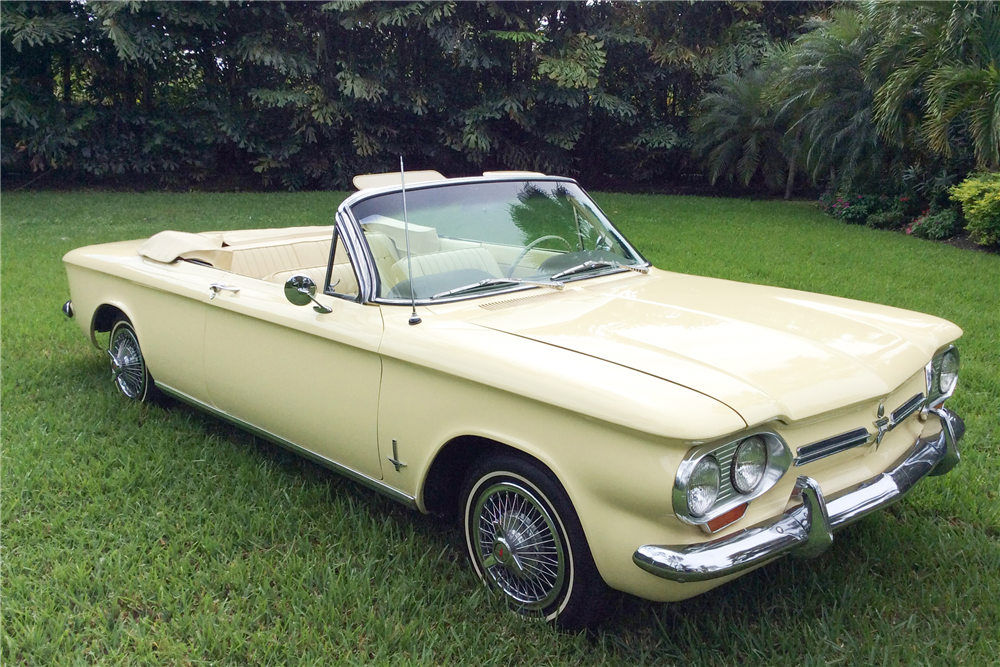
(348, 283)
(451, 260)
(263, 261)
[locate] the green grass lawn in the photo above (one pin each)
(146, 534)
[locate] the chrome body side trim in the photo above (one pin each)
(807, 529)
(370, 482)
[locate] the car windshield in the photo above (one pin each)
(471, 239)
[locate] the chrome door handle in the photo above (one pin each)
(215, 288)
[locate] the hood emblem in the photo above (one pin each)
(881, 424)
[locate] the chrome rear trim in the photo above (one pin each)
(361, 478)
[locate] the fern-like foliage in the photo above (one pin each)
(736, 132)
(938, 73)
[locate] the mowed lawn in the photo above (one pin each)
(151, 534)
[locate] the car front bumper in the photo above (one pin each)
(807, 530)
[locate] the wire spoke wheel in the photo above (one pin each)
(518, 545)
(128, 368)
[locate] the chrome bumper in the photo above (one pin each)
(807, 530)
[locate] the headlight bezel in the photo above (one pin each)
(779, 460)
(934, 373)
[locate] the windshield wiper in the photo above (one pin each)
(492, 282)
(592, 264)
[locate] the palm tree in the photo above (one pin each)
(735, 131)
(938, 72)
(820, 85)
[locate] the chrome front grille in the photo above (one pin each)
(860, 436)
(724, 455)
(831, 446)
(906, 409)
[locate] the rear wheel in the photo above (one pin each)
(128, 367)
(525, 541)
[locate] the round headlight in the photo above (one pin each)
(948, 375)
(703, 487)
(749, 464)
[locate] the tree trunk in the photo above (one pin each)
(790, 183)
(67, 83)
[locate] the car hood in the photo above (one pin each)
(765, 352)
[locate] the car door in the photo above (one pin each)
(310, 378)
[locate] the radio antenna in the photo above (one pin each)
(414, 318)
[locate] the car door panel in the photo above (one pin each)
(307, 377)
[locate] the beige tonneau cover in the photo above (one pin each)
(169, 246)
(368, 181)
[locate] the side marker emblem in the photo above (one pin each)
(394, 459)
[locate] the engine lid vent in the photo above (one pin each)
(520, 300)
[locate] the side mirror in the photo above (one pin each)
(300, 290)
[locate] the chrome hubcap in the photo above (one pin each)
(128, 370)
(519, 546)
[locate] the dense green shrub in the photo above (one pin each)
(891, 218)
(935, 226)
(876, 211)
(980, 198)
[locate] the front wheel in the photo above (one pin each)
(525, 541)
(128, 367)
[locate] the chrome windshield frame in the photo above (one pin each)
(369, 281)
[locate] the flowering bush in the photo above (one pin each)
(980, 198)
(935, 226)
(878, 211)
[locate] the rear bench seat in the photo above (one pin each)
(279, 262)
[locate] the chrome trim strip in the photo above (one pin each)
(805, 530)
(830, 446)
(370, 482)
(359, 254)
(900, 414)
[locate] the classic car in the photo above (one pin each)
(494, 348)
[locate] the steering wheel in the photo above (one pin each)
(530, 246)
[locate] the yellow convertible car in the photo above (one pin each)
(494, 348)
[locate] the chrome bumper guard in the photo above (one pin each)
(807, 530)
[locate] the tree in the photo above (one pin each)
(822, 85)
(938, 66)
(735, 131)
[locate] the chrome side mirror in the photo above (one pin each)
(300, 290)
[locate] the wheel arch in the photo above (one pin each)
(443, 482)
(104, 317)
